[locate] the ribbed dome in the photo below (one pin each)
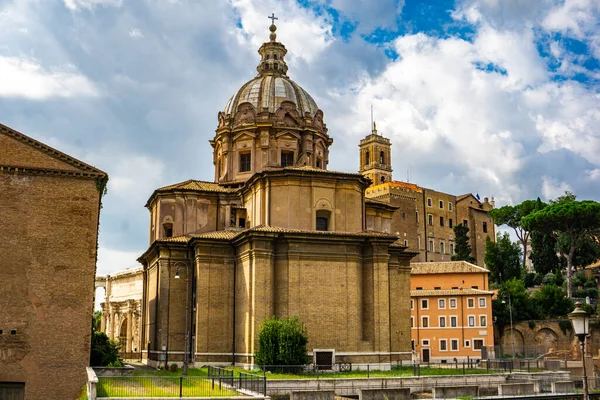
(269, 91)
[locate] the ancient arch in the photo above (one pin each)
(123, 334)
(547, 339)
(507, 342)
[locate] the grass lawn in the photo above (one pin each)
(160, 385)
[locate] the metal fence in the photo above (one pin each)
(224, 384)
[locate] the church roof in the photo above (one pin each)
(192, 184)
(447, 267)
(449, 292)
(32, 156)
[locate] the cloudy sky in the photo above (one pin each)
(496, 97)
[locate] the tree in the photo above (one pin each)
(281, 342)
(523, 308)
(503, 258)
(552, 301)
(575, 219)
(513, 217)
(544, 253)
(96, 321)
(104, 352)
(462, 249)
(586, 253)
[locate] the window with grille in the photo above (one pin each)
(477, 344)
(454, 344)
(287, 158)
(245, 162)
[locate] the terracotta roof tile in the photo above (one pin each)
(176, 239)
(192, 184)
(226, 234)
(449, 292)
(448, 267)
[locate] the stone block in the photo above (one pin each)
(313, 395)
(452, 392)
(563, 387)
(516, 389)
(381, 394)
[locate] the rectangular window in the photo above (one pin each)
(430, 219)
(482, 302)
(467, 343)
(245, 162)
(431, 245)
(485, 227)
(442, 204)
(425, 322)
(477, 344)
(475, 287)
(454, 344)
(453, 322)
(319, 163)
(452, 303)
(425, 342)
(441, 304)
(442, 322)
(287, 158)
(412, 344)
(443, 345)
(441, 221)
(471, 303)
(471, 320)
(405, 243)
(424, 304)
(449, 206)
(412, 322)
(412, 304)
(429, 202)
(450, 223)
(451, 248)
(442, 247)
(482, 320)
(465, 223)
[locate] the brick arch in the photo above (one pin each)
(507, 338)
(546, 338)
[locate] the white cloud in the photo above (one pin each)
(21, 77)
(90, 4)
(551, 188)
(110, 260)
(136, 33)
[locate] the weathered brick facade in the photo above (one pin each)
(49, 204)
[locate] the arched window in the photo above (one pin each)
(323, 220)
(276, 66)
(381, 158)
(382, 179)
(274, 56)
(367, 158)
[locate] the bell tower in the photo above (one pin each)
(376, 157)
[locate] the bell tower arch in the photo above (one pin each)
(376, 157)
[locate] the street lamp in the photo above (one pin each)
(581, 325)
(187, 307)
(512, 331)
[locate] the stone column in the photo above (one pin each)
(129, 328)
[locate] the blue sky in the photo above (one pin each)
(496, 97)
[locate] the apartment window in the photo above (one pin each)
(482, 302)
(441, 221)
(429, 202)
(442, 247)
(431, 245)
(412, 344)
(424, 304)
(482, 320)
(425, 322)
(245, 162)
(467, 343)
(470, 303)
(425, 342)
(453, 322)
(412, 322)
(451, 248)
(412, 304)
(430, 219)
(454, 344)
(477, 344)
(441, 304)
(287, 158)
(450, 225)
(465, 223)
(443, 345)
(471, 320)
(449, 206)
(485, 227)
(442, 204)
(475, 287)
(452, 303)
(442, 322)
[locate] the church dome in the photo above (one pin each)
(266, 92)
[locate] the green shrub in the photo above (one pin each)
(531, 324)
(282, 342)
(104, 352)
(173, 367)
(565, 326)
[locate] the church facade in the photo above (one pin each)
(275, 234)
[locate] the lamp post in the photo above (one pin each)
(187, 307)
(512, 331)
(581, 325)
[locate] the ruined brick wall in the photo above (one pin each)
(47, 265)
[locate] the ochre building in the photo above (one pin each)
(424, 218)
(275, 234)
(451, 312)
(122, 309)
(50, 203)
